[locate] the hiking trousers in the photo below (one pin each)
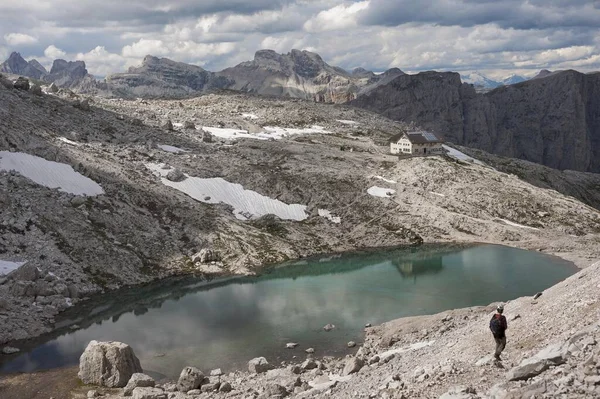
(500, 345)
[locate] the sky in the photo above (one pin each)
(496, 37)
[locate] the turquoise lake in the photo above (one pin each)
(224, 323)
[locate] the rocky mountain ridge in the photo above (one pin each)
(551, 120)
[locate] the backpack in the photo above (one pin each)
(496, 325)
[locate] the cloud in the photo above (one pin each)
(497, 36)
(54, 52)
(19, 39)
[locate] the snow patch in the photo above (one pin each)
(438, 194)
(246, 203)
(413, 347)
(7, 267)
(48, 173)
(170, 148)
(508, 222)
(269, 133)
(384, 179)
(71, 142)
(381, 192)
(249, 116)
(327, 214)
(451, 152)
(178, 125)
(347, 122)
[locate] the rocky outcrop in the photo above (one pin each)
(17, 65)
(549, 120)
(138, 380)
(190, 378)
(108, 364)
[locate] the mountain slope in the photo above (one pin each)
(552, 121)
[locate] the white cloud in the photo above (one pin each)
(144, 47)
(100, 62)
(340, 17)
(52, 52)
(19, 39)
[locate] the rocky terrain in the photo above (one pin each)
(165, 183)
(551, 119)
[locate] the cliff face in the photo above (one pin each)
(552, 120)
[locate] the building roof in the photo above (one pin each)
(421, 137)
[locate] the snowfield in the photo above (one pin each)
(246, 203)
(384, 179)
(347, 122)
(71, 142)
(508, 222)
(48, 173)
(451, 152)
(170, 148)
(381, 192)
(249, 116)
(7, 267)
(269, 133)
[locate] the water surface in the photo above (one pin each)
(225, 323)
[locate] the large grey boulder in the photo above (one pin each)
(167, 125)
(176, 175)
(552, 355)
(149, 393)
(258, 365)
(353, 365)
(109, 364)
(138, 380)
(21, 83)
(36, 89)
(53, 88)
(27, 272)
(190, 378)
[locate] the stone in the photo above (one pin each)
(108, 364)
(225, 387)
(78, 201)
(291, 345)
(328, 327)
(210, 387)
(167, 125)
(207, 137)
(149, 393)
(6, 83)
(367, 325)
(9, 350)
(216, 372)
(84, 105)
(53, 88)
(189, 125)
(92, 393)
(352, 365)
(36, 89)
(138, 380)
(276, 390)
(258, 365)
(309, 364)
(27, 272)
(194, 392)
(351, 344)
(374, 359)
(190, 378)
(460, 392)
(536, 296)
(310, 350)
(176, 175)
(21, 83)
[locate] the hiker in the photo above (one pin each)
(498, 326)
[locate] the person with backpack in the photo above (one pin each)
(498, 327)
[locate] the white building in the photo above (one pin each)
(416, 143)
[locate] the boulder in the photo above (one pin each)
(210, 387)
(310, 350)
(53, 88)
(149, 393)
(84, 105)
(5, 82)
(216, 372)
(291, 345)
(460, 392)
(276, 390)
(353, 365)
(36, 89)
(351, 344)
(329, 327)
(27, 272)
(190, 378)
(258, 365)
(176, 175)
(207, 137)
(138, 380)
(9, 350)
(21, 83)
(225, 387)
(309, 364)
(167, 125)
(109, 364)
(189, 125)
(552, 355)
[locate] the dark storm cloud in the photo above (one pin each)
(518, 14)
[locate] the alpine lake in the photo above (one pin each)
(223, 323)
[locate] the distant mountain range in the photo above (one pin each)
(483, 83)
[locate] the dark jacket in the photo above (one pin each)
(503, 325)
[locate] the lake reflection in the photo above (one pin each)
(227, 322)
